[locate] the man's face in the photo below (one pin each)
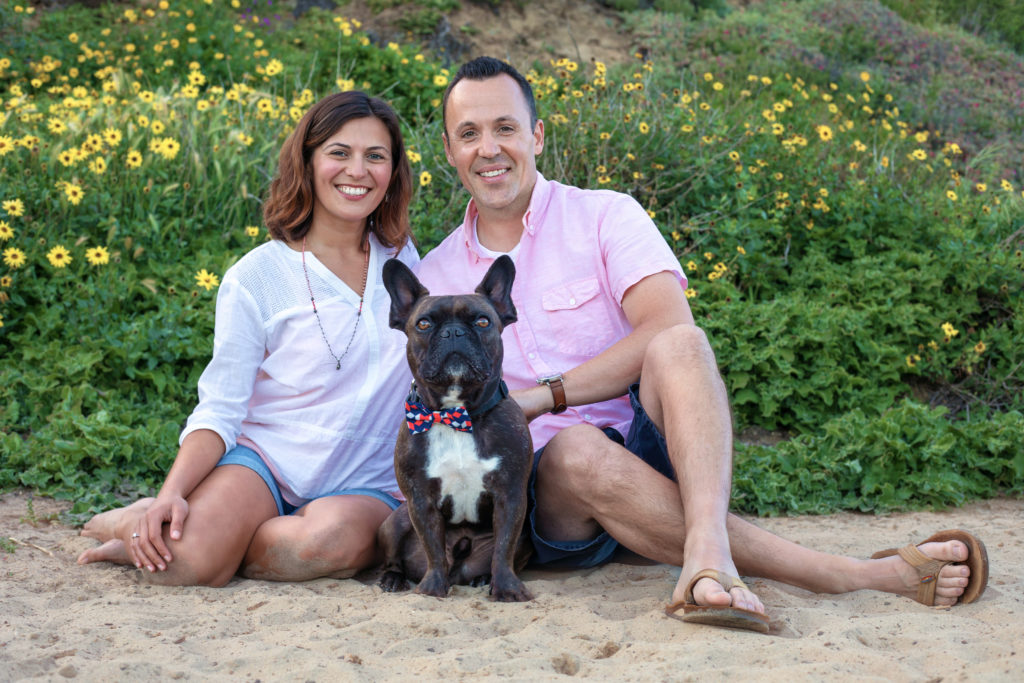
(490, 143)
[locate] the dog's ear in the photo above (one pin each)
(497, 287)
(405, 290)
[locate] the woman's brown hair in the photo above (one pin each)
(288, 210)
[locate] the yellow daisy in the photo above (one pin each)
(97, 256)
(59, 257)
(207, 280)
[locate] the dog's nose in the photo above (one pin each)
(452, 330)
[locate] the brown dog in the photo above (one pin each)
(463, 458)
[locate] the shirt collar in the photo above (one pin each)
(532, 219)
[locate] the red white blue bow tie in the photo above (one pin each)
(420, 418)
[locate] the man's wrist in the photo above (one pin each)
(556, 383)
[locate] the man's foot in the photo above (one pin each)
(111, 551)
(103, 527)
(899, 577)
(707, 591)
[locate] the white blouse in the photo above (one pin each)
(272, 380)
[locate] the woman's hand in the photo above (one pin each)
(146, 545)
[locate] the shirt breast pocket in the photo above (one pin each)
(578, 317)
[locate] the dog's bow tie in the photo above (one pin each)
(420, 418)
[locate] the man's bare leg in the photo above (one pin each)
(334, 536)
(588, 483)
(684, 395)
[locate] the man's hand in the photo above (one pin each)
(534, 401)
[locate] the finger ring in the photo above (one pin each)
(135, 535)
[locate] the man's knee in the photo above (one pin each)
(680, 342)
(581, 461)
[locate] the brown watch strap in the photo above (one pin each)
(558, 391)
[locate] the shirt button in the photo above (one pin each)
(531, 355)
(586, 416)
(572, 302)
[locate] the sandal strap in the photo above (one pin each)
(727, 581)
(927, 569)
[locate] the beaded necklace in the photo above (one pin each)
(359, 313)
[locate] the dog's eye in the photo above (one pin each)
(482, 322)
(423, 324)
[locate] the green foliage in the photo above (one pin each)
(1001, 19)
(847, 260)
(910, 457)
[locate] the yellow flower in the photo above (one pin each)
(734, 155)
(440, 80)
(6, 281)
(949, 330)
(414, 156)
(690, 293)
(603, 180)
(345, 84)
(112, 137)
(865, 76)
(59, 257)
(134, 159)
(741, 250)
(424, 178)
(14, 257)
(273, 68)
(981, 187)
(691, 266)
(14, 207)
(1006, 185)
(206, 280)
(919, 154)
(252, 231)
(980, 347)
(97, 256)
(6, 232)
(74, 193)
(951, 195)
(644, 128)
(825, 133)
(7, 144)
(885, 162)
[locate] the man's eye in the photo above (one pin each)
(422, 324)
(483, 322)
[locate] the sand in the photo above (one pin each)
(59, 620)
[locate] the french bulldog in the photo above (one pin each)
(464, 455)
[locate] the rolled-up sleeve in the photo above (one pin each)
(226, 385)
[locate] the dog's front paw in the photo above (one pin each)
(510, 590)
(393, 582)
(434, 583)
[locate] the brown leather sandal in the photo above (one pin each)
(928, 568)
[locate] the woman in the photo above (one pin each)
(285, 467)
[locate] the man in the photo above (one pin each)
(606, 346)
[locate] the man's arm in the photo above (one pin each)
(653, 304)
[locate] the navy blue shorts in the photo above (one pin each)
(645, 442)
(247, 457)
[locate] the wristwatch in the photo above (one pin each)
(557, 390)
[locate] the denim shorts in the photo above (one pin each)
(247, 457)
(645, 442)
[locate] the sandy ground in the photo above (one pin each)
(59, 620)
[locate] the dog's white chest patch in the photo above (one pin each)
(452, 457)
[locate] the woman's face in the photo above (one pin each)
(351, 172)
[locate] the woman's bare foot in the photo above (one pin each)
(111, 551)
(103, 527)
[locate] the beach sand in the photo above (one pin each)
(99, 622)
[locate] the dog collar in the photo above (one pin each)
(419, 418)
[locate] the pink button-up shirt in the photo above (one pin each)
(579, 252)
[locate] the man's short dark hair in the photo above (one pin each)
(482, 68)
